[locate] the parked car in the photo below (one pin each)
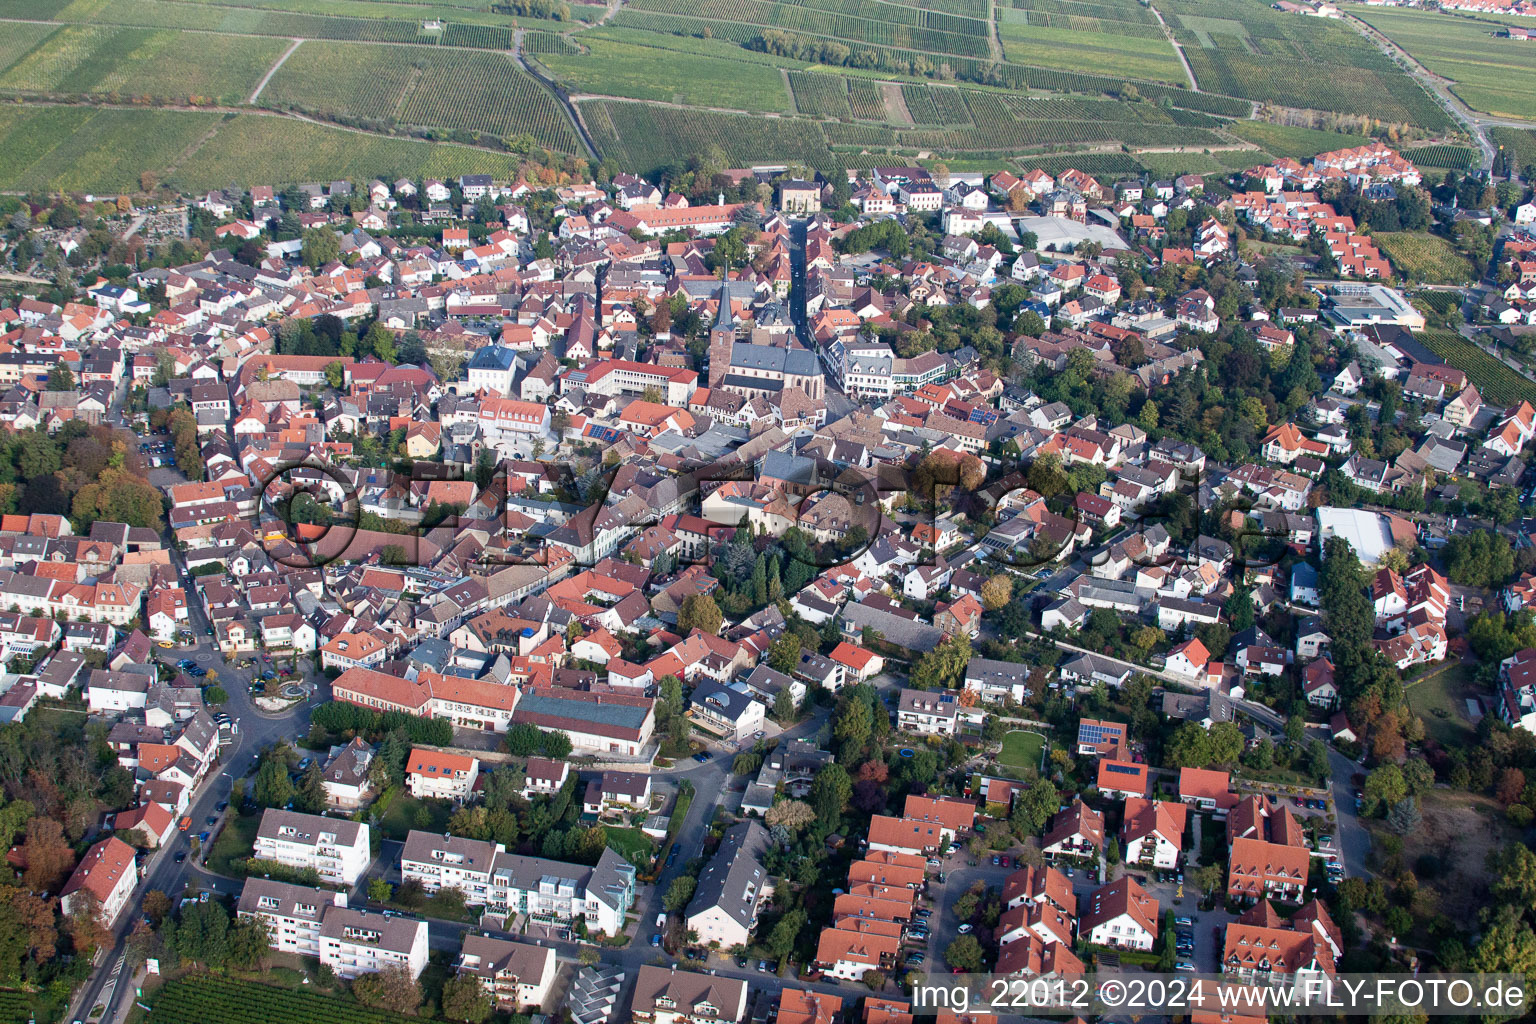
(180, 857)
(1003, 859)
(964, 929)
(1184, 921)
(186, 823)
(762, 965)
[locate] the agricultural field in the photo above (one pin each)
(865, 99)
(616, 68)
(1495, 381)
(1288, 140)
(647, 137)
(820, 95)
(845, 21)
(1518, 143)
(1492, 74)
(1424, 258)
(1052, 34)
(1442, 158)
(264, 148)
(88, 149)
(1245, 48)
(408, 14)
(382, 86)
(206, 999)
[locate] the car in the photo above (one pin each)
(964, 929)
(185, 663)
(741, 961)
(186, 823)
(1093, 874)
(762, 965)
(655, 940)
(1179, 876)
(1184, 966)
(701, 756)
(671, 857)
(994, 860)
(213, 819)
(222, 806)
(180, 857)
(202, 897)
(304, 764)
(197, 672)
(166, 644)
(202, 837)
(1070, 872)
(922, 913)
(1324, 840)
(1003, 859)
(1184, 921)
(759, 734)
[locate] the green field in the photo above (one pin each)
(1022, 749)
(1291, 141)
(208, 999)
(1491, 74)
(820, 95)
(1246, 48)
(1495, 381)
(615, 68)
(1442, 158)
(1149, 57)
(1440, 700)
(1424, 258)
(481, 93)
(1518, 143)
(647, 137)
(631, 844)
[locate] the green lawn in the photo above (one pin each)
(407, 812)
(631, 844)
(234, 842)
(1022, 749)
(1440, 700)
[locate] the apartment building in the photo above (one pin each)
(354, 942)
(517, 975)
(548, 890)
(440, 775)
(336, 848)
(292, 912)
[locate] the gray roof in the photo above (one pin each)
(908, 633)
(722, 700)
(773, 359)
(396, 934)
(307, 828)
(734, 879)
(300, 901)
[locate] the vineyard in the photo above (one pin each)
(1098, 46)
(1491, 73)
(820, 95)
(1444, 158)
(919, 100)
(1518, 143)
(379, 87)
(617, 67)
(864, 96)
(205, 999)
(1495, 381)
(1286, 140)
(648, 138)
(929, 32)
(1251, 50)
(1425, 258)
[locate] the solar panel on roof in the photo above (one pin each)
(1123, 769)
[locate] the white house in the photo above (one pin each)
(437, 774)
(292, 912)
(108, 872)
(517, 974)
(1120, 915)
(1153, 832)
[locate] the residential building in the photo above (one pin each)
(337, 849)
(731, 888)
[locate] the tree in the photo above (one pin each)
(830, 791)
(1207, 878)
(1418, 775)
(853, 727)
(1226, 743)
(1384, 787)
(466, 999)
(679, 893)
(781, 941)
(794, 815)
(699, 611)
(273, 787)
(47, 855)
(380, 891)
(996, 592)
(86, 929)
(783, 706)
(784, 654)
(61, 378)
(320, 246)
(964, 953)
(393, 988)
(157, 906)
(1404, 816)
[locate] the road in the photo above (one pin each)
(560, 93)
(1189, 72)
(258, 730)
